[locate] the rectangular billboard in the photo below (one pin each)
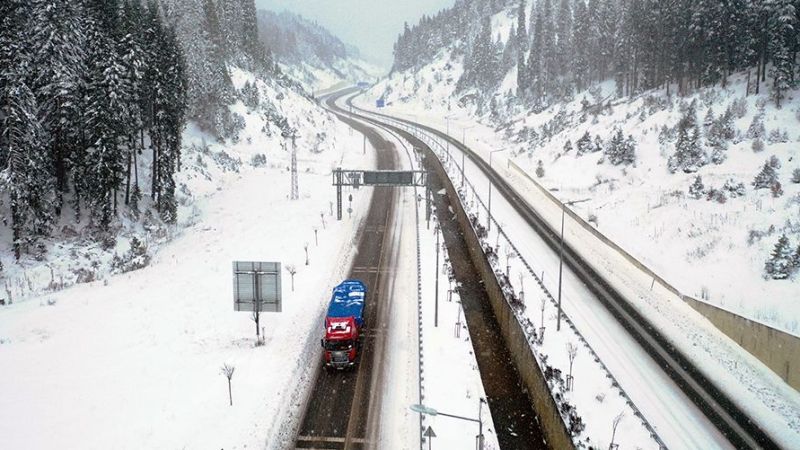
(257, 284)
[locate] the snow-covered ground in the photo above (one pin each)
(713, 251)
(134, 360)
(677, 421)
(315, 79)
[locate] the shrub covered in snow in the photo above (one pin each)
(796, 176)
(733, 188)
(778, 136)
(134, 259)
(539, 169)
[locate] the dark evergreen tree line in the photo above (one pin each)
(566, 45)
(86, 87)
(214, 35)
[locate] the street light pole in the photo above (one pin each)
(561, 257)
(560, 268)
(447, 119)
(489, 215)
(422, 409)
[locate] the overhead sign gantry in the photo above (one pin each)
(357, 178)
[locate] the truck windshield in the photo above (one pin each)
(338, 345)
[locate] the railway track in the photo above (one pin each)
(730, 419)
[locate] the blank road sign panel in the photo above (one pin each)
(393, 178)
(257, 283)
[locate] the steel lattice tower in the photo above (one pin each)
(295, 189)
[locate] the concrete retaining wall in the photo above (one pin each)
(554, 428)
(778, 350)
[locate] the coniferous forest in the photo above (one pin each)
(566, 45)
(94, 98)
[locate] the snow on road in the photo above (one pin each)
(452, 381)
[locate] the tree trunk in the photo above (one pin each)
(155, 143)
(230, 392)
(128, 179)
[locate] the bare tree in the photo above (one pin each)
(316, 237)
(322, 216)
(292, 270)
(305, 247)
(228, 370)
(614, 425)
(572, 352)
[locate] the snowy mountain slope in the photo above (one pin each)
(310, 54)
(715, 247)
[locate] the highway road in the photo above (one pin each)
(661, 375)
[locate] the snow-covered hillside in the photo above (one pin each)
(265, 111)
(310, 54)
(713, 241)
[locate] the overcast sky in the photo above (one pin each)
(371, 25)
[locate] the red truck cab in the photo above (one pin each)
(340, 342)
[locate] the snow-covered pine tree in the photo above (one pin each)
(584, 144)
(564, 48)
(697, 188)
(796, 176)
(783, 32)
(170, 112)
(510, 51)
(766, 178)
(535, 65)
(482, 63)
(107, 93)
(522, 33)
(598, 144)
(550, 59)
(27, 173)
(131, 49)
(614, 146)
(621, 150)
(57, 69)
(756, 130)
(581, 39)
(689, 154)
(781, 263)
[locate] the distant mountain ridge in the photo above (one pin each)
(310, 53)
